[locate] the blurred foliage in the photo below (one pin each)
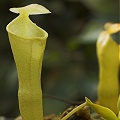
(70, 68)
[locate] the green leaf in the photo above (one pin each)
(103, 111)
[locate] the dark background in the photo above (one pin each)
(70, 67)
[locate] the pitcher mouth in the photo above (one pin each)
(26, 29)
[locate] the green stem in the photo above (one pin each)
(74, 111)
